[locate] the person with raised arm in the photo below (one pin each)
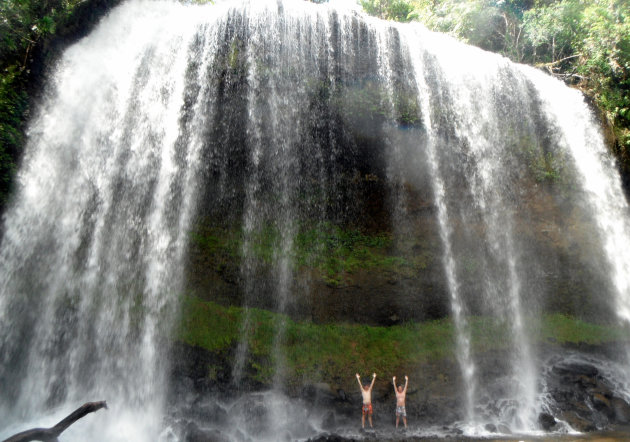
(400, 401)
(366, 392)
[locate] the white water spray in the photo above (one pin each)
(165, 102)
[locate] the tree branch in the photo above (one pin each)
(553, 63)
(51, 434)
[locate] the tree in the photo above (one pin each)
(398, 10)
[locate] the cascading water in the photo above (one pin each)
(93, 246)
(271, 120)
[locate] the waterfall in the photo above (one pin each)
(474, 99)
(602, 187)
(266, 121)
(93, 246)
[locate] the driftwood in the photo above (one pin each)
(51, 434)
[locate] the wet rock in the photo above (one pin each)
(586, 381)
(318, 393)
(601, 403)
(575, 369)
(253, 412)
(504, 429)
(491, 428)
(329, 438)
(210, 412)
(546, 421)
(196, 434)
(240, 436)
(621, 410)
(578, 423)
(341, 394)
(329, 422)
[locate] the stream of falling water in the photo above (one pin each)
(266, 110)
(466, 362)
(93, 246)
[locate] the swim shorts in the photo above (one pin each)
(400, 411)
(367, 408)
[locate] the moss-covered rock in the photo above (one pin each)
(333, 352)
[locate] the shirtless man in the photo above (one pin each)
(400, 401)
(367, 400)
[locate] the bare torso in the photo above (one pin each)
(400, 399)
(367, 396)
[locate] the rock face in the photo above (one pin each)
(564, 275)
(581, 391)
(584, 397)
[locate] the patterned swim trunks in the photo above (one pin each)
(400, 411)
(367, 408)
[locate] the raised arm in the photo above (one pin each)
(394, 382)
(373, 379)
(406, 382)
(359, 381)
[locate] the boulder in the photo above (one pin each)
(341, 395)
(575, 369)
(546, 421)
(491, 428)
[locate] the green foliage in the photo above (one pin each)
(25, 22)
(588, 42)
(407, 110)
(24, 25)
(398, 10)
(334, 352)
(13, 105)
(551, 30)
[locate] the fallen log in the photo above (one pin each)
(51, 434)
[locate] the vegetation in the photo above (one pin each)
(334, 352)
(584, 42)
(26, 28)
(332, 251)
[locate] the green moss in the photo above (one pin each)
(334, 352)
(333, 252)
(567, 329)
(313, 351)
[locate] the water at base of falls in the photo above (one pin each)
(272, 118)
